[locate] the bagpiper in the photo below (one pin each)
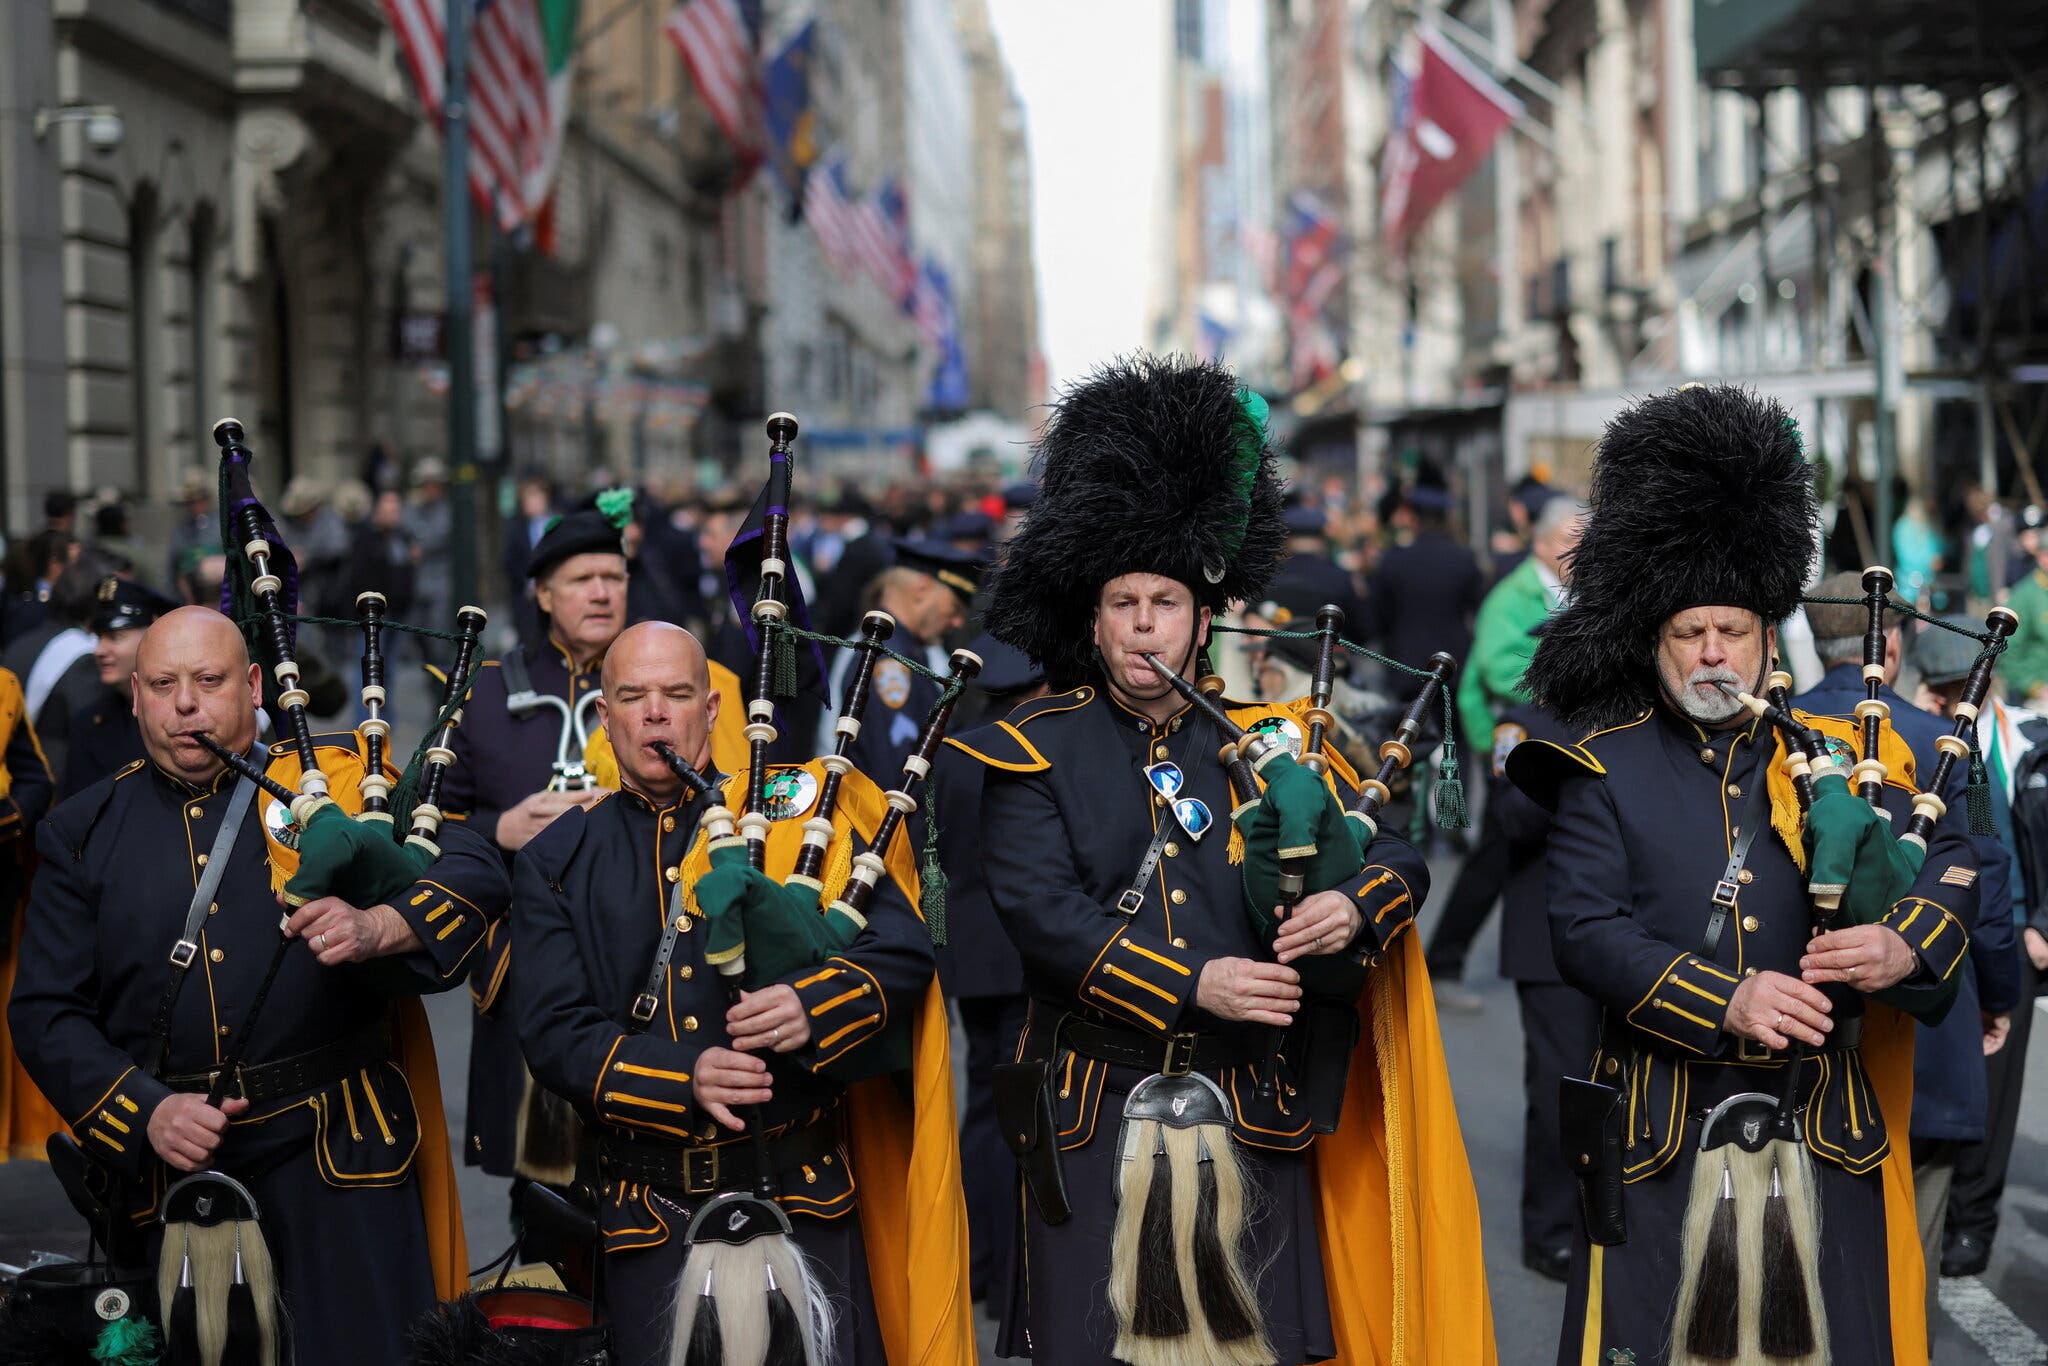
(1181, 1065)
(1756, 980)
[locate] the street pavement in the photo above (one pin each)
(1999, 1319)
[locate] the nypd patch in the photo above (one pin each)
(1506, 736)
(892, 683)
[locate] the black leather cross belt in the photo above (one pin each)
(721, 1167)
(312, 1070)
(1176, 1054)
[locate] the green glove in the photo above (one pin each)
(356, 860)
(1850, 848)
(1297, 812)
(786, 930)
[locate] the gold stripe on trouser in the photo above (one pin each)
(1589, 1339)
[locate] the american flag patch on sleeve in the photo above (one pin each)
(1958, 876)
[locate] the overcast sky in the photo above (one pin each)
(1091, 74)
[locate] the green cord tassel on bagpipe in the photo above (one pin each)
(781, 661)
(1978, 792)
(1450, 787)
(931, 877)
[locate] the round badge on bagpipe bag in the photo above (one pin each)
(80, 1314)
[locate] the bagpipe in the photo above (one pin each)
(776, 927)
(1753, 1184)
(214, 1291)
(1298, 838)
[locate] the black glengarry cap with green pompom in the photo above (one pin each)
(594, 529)
(1154, 465)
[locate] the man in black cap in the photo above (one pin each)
(505, 762)
(105, 737)
(1679, 861)
(1148, 970)
(928, 590)
(978, 966)
(1427, 587)
(1309, 573)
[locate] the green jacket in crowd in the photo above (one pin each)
(1501, 646)
(2024, 666)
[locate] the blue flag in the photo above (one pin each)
(786, 87)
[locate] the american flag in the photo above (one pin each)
(718, 47)
(931, 307)
(883, 240)
(518, 87)
(831, 214)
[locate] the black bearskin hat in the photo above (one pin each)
(1152, 464)
(1701, 497)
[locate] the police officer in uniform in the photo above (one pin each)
(928, 590)
(499, 784)
(1701, 529)
(323, 1124)
(668, 1090)
(105, 738)
(1160, 504)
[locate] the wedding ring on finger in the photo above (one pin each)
(319, 943)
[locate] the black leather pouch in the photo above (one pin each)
(1024, 1109)
(1589, 1130)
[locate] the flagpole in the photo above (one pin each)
(459, 329)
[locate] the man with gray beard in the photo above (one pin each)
(1678, 899)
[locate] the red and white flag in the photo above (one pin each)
(718, 47)
(830, 212)
(1446, 117)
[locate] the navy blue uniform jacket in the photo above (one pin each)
(590, 894)
(1066, 818)
(1643, 821)
(120, 863)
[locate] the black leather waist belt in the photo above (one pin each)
(1175, 1055)
(308, 1071)
(1843, 1038)
(703, 1170)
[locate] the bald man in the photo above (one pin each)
(590, 897)
(322, 1126)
